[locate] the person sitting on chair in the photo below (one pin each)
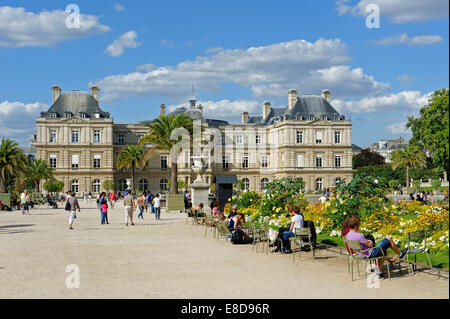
(380, 249)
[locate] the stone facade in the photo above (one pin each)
(82, 142)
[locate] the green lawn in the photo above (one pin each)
(437, 260)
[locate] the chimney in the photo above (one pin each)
(56, 92)
(292, 98)
(163, 110)
(95, 92)
(244, 117)
(200, 108)
(326, 94)
(266, 109)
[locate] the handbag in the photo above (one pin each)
(67, 205)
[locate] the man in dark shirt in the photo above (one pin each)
(233, 213)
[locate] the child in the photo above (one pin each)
(104, 211)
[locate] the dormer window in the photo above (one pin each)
(311, 117)
(53, 114)
(324, 117)
(68, 114)
(336, 117)
(342, 117)
(83, 115)
(97, 115)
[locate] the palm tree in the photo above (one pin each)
(159, 133)
(130, 156)
(38, 170)
(12, 161)
(409, 156)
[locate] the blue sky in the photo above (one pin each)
(237, 54)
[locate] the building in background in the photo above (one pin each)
(308, 139)
(386, 147)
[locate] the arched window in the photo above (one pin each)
(163, 185)
(123, 185)
(75, 186)
(96, 185)
(246, 184)
(143, 185)
(337, 180)
(264, 182)
(319, 184)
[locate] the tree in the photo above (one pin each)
(109, 185)
(130, 157)
(367, 157)
(53, 186)
(393, 183)
(436, 184)
(431, 129)
(409, 156)
(12, 162)
(416, 184)
(38, 170)
(160, 136)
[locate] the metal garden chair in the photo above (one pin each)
(299, 241)
(353, 246)
(222, 230)
(417, 236)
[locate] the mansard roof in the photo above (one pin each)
(75, 103)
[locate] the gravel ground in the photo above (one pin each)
(170, 259)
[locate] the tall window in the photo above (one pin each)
(123, 185)
(319, 137)
(319, 161)
(258, 139)
(300, 160)
(219, 140)
(52, 136)
(337, 160)
(97, 160)
(264, 162)
(337, 137)
(96, 185)
(163, 185)
(143, 185)
(53, 161)
(225, 162)
(239, 139)
(96, 136)
(75, 160)
(319, 183)
(75, 186)
(245, 162)
(264, 183)
(75, 134)
(299, 137)
(246, 184)
(337, 180)
(164, 162)
(121, 139)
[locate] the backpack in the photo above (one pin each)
(238, 237)
(67, 205)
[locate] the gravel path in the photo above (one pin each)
(169, 259)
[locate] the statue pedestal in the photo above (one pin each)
(200, 192)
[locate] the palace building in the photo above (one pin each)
(308, 139)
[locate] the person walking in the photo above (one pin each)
(23, 201)
(27, 204)
(157, 205)
(104, 210)
(72, 206)
(102, 198)
(141, 204)
(130, 206)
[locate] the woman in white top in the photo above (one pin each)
(296, 222)
(157, 205)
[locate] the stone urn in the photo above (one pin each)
(199, 168)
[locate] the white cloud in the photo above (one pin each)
(118, 7)
(126, 40)
(405, 79)
(406, 101)
(398, 128)
(420, 40)
(18, 120)
(398, 11)
(268, 71)
(146, 67)
(20, 28)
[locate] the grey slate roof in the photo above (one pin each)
(75, 102)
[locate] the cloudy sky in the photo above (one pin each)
(237, 54)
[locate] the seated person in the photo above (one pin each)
(237, 223)
(296, 222)
(380, 249)
(4, 207)
(232, 214)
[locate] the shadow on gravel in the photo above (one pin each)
(13, 229)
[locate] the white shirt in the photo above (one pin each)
(297, 220)
(157, 202)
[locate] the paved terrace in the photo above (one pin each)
(169, 259)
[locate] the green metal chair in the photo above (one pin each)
(199, 216)
(354, 246)
(210, 223)
(417, 236)
(299, 241)
(222, 230)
